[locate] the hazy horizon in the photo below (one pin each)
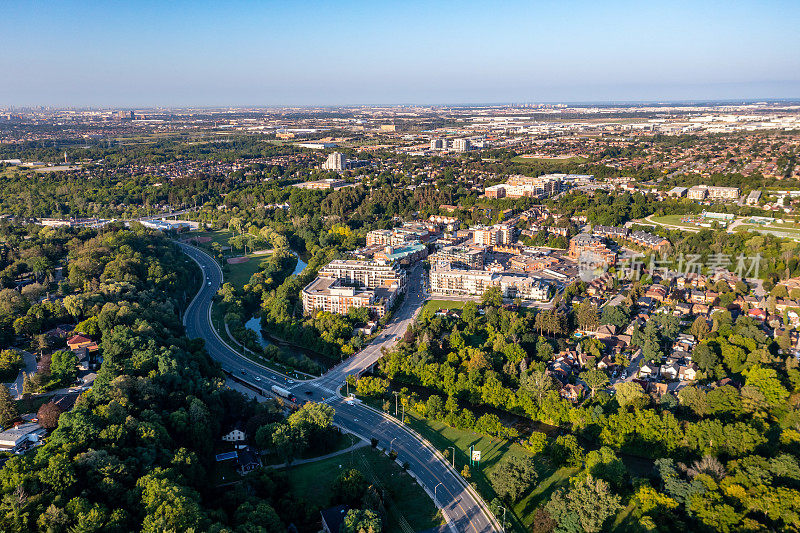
(242, 54)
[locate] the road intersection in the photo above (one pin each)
(461, 506)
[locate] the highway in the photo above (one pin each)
(463, 508)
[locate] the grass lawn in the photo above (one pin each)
(492, 451)
(219, 236)
(406, 501)
(435, 305)
(239, 273)
(32, 405)
(674, 220)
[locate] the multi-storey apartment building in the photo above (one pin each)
(461, 257)
(445, 280)
(367, 274)
(344, 284)
(586, 243)
(700, 192)
(492, 235)
(521, 186)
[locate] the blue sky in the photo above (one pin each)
(348, 52)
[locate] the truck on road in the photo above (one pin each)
(283, 393)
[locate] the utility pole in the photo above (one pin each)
(395, 403)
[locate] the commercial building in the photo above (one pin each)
(405, 255)
(335, 161)
(328, 183)
(21, 436)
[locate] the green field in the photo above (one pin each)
(406, 502)
(435, 305)
(239, 274)
(492, 451)
(673, 220)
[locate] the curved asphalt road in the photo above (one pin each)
(464, 509)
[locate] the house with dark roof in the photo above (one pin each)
(333, 518)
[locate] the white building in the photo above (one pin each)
(335, 161)
(462, 145)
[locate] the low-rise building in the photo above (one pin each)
(584, 244)
(21, 436)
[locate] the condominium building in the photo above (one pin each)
(438, 144)
(399, 236)
(459, 282)
(367, 274)
(336, 296)
(461, 257)
(522, 186)
(700, 192)
(335, 161)
(585, 243)
(344, 284)
(462, 145)
(492, 235)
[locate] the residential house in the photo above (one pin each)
(605, 331)
(333, 518)
(648, 370)
(687, 372)
(657, 389)
(669, 370)
(656, 292)
(248, 460)
(235, 434)
(78, 341)
(573, 393)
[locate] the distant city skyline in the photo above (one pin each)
(240, 54)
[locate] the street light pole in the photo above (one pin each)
(391, 442)
(454, 455)
(434, 493)
(395, 403)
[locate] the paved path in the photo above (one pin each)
(356, 446)
(15, 387)
(462, 507)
